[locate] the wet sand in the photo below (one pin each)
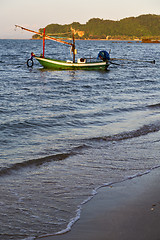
(126, 210)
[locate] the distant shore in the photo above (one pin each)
(112, 40)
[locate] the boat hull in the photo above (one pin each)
(63, 65)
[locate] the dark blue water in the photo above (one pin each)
(63, 134)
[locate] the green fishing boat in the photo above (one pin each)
(101, 62)
(69, 65)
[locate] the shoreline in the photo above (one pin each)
(105, 40)
(112, 40)
(125, 210)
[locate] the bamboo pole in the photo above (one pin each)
(43, 42)
(46, 36)
(133, 60)
(73, 48)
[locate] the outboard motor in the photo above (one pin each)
(103, 55)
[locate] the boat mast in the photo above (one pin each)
(73, 46)
(43, 42)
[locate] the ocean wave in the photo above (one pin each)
(40, 161)
(34, 162)
(157, 105)
(144, 130)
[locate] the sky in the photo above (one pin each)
(35, 14)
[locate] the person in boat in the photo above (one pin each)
(103, 55)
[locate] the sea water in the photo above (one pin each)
(64, 134)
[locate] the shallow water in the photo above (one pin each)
(63, 134)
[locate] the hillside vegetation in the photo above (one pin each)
(144, 26)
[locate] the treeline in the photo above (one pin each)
(128, 28)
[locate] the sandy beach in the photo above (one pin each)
(126, 210)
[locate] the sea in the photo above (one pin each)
(65, 134)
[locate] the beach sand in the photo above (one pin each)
(129, 210)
